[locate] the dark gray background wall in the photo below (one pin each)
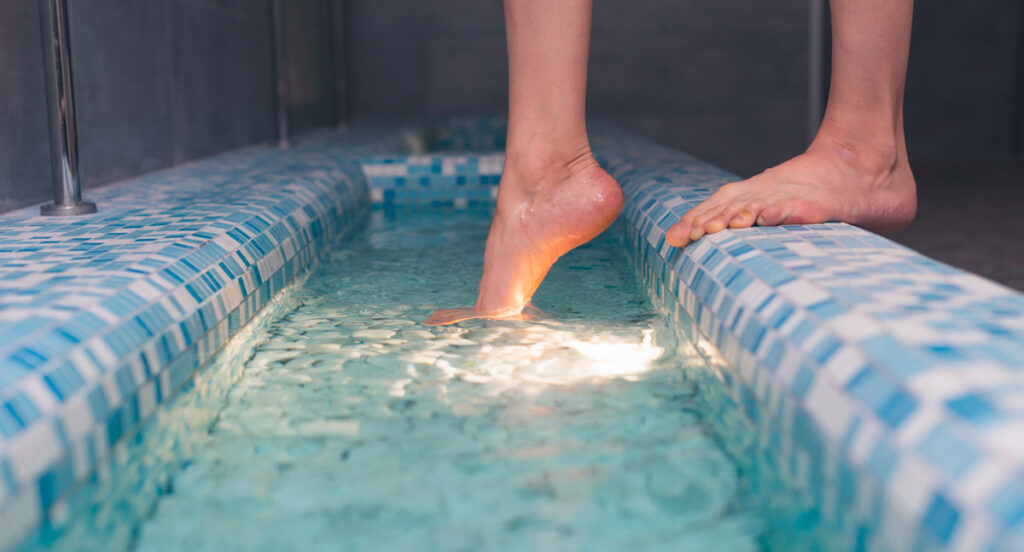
(962, 89)
(159, 82)
(726, 80)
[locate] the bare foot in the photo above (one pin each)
(546, 207)
(831, 182)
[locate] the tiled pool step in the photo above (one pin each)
(440, 179)
(888, 384)
(103, 317)
(900, 380)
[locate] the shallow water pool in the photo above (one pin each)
(353, 426)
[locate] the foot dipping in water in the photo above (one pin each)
(553, 196)
(540, 217)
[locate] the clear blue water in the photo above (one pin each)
(342, 422)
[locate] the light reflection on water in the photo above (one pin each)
(544, 356)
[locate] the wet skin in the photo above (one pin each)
(553, 196)
(538, 219)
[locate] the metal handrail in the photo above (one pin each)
(60, 99)
(281, 72)
(67, 190)
(338, 22)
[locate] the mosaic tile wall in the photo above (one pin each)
(103, 317)
(888, 384)
(441, 179)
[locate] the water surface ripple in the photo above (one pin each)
(353, 426)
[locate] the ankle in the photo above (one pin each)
(539, 166)
(876, 153)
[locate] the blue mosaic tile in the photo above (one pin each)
(889, 385)
(899, 363)
(434, 179)
(103, 317)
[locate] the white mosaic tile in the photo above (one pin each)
(849, 319)
(882, 365)
(90, 320)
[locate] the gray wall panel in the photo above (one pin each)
(467, 75)
(24, 138)
(461, 17)
(223, 90)
(726, 80)
(387, 59)
(312, 94)
(122, 63)
(668, 68)
(164, 81)
(157, 82)
(960, 83)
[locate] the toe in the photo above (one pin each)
(707, 223)
(802, 211)
(773, 214)
(745, 217)
(719, 222)
(724, 218)
(678, 234)
(691, 226)
(696, 232)
(715, 225)
(790, 211)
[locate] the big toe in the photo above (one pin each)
(792, 211)
(679, 234)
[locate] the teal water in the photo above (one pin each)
(349, 425)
